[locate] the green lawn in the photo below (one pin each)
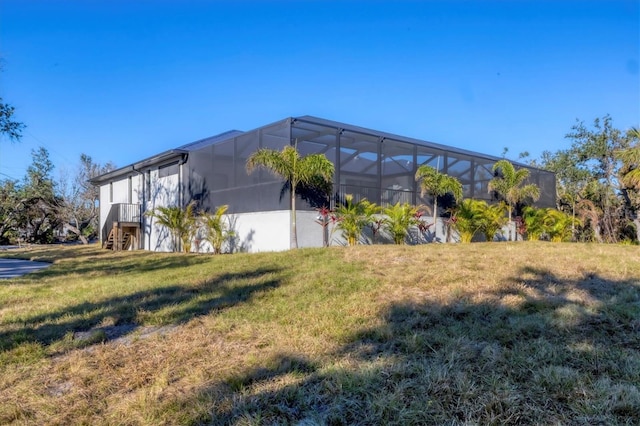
(486, 333)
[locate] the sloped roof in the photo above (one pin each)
(165, 156)
(193, 146)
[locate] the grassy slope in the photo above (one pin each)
(436, 334)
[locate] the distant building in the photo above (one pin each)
(369, 164)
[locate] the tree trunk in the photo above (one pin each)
(77, 232)
(435, 218)
(294, 232)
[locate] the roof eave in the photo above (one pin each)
(137, 166)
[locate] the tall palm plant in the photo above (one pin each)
(630, 174)
(181, 223)
(295, 170)
(353, 216)
(492, 219)
(468, 218)
(399, 218)
(510, 185)
(558, 225)
(533, 219)
(216, 230)
(631, 161)
(437, 184)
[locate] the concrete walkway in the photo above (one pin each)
(11, 268)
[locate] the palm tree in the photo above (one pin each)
(295, 170)
(631, 159)
(558, 225)
(352, 217)
(217, 231)
(630, 173)
(467, 218)
(492, 219)
(437, 185)
(400, 217)
(510, 185)
(533, 219)
(181, 224)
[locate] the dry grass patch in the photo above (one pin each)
(513, 333)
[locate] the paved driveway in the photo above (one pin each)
(11, 268)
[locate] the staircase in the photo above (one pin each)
(121, 229)
(118, 240)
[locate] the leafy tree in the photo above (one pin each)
(437, 184)
(571, 179)
(399, 218)
(217, 231)
(630, 178)
(80, 212)
(352, 217)
(8, 126)
(509, 184)
(181, 223)
(295, 170)
(40, 205)
(595, 149)
(10, 210)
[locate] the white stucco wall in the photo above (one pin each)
(309, 231)
(165, 192)
(265, 231)
(105, 206)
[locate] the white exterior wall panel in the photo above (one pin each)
(165, 192)
(257, 232)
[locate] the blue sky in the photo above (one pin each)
(123, 80)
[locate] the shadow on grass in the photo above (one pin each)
(541, 350)
(115, 317)
(141, 262)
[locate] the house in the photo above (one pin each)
(369, 164)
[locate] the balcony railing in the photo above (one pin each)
(119, 213)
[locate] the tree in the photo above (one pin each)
(399, 218)
(10, 208)
(437, 185)
(571, 179)
(181, 223)
(8, 126)
(595, 150)
(630, 157)
(80, 211)
(353, 216)
(630, 177)
(40, 205)
(509, 184)
(295, 170)
(216, 230)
